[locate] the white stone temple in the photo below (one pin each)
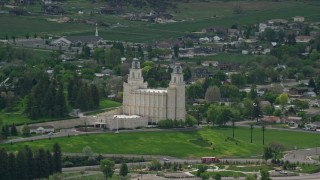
(154, 104)
(142, 105)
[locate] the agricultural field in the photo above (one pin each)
(191, 16)
(205, 142)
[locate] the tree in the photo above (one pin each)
(187, 73)
(264, 175)
(256, 109)
(212, 94)
(217, 176)
(3, 164)
(195, 91)
(201, 169)
(220, 115)
(283, 99)
(107, 167)
(267, 153)
(190, 120)
(57, 166)
(25, 130)
(50, 162)
(42, 164)
(251, 177)
(276, 148)
(87, 151)
(13, 130)
(12, 166)
(238, 79)
(176, 51)
(30, 162)
(5, 132)
(22, 165)
(155, 165)
(123, 170)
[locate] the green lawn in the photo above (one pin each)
(10, 118)
(106, 103)
(178, 144)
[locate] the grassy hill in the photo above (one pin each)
(205, 142)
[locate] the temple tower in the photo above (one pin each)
(176, 95)
(135, 81)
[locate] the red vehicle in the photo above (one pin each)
(210, 160)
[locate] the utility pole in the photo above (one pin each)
(263, 129)
(251, 129)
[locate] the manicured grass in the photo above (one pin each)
(17, 118)
(309, 168)
(107, 103)
(177, 143)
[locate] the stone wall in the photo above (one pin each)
(70, 123)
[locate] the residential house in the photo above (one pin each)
(209, 63)
(293, 121)
(298, 19)
(228, 66)
(303, 39)
(202, 73)
(299, 90)
(271, 119)
(277, 21)
(264, 104)
(204, 40)
(41, 129)
(77, 41)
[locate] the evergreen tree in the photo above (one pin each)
(12, 166)
(30, 162)
(3, 164)
(5, 131)
(60, 107)
(123, 169)
(22, 166)
(95, 95)
(57, 167)
(13, 130)
(41, 161)
(50, 162)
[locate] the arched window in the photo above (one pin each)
(174, 79)
(132, 74)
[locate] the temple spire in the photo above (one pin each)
(97, 33)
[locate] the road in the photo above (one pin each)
(247, 124)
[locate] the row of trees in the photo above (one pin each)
(83, 95)
(7, 131)
(27, 164)
(46, 100)
(107, 167)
